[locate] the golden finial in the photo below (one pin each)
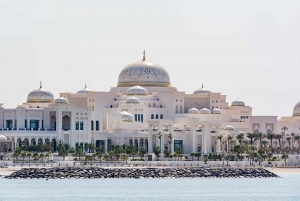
(144, 55)
(41, 85)
(202, 85)
(85, 86)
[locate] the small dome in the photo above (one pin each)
(202, 90)
(229, 128)
(132, 100)
(193, 111)
(40, 95)
(85, 90)
(238, 102)
(296, 111)
(126, 117)
(137, 90)
(205, 111)
(2, 137)
(216, 111)
(61, 100)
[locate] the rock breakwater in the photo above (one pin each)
(97, 172)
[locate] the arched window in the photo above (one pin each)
(97, 125)
(93, 108)
(180, 109)
(156, 116)
(176, 110)
(152, 116)
(161, 116)
(92, 125)
(153, 104)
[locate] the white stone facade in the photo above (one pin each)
(142, 105)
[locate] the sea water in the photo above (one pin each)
(273, 189)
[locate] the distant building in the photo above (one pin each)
(142, 105)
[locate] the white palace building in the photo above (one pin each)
(142, 106)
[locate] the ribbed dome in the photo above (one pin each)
(40, 95)
(296, 111)
(205, 111)
(229, 127)
(85, 90)
(126, 117)
(137, 90)
(132, 100)
(202, 90)
(144, 73)
(193, 111)
(2, 137)
(238, 102)
(216, 111)
(61, 100)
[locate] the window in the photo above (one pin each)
(160, 106)
(161, 116)
(152, 116)
(139, 117)
(177, 143)
(142, 118)
(77, 125)
(180, 109)
(97, 125)
(135, 117)
(156, 116)
(25, 123)
(153, 104)
(176, 109)
(9, 124)
(81, 125)
(34, 124)
(92, 125)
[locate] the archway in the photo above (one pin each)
(136, 144)
(131, 142)
(19, 142)
(40, 141)
(53, 122)
(33, 142)
(66, 123)
(5, 148)
(26, 141)
(53, 144)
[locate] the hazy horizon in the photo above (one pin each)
(243, 49)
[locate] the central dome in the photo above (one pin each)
(144, 73)
(40, 95)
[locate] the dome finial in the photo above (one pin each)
(144, 55)
(41, 85)
(202, 85)
(85, 86)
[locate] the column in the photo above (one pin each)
(150, 139)
(193, 128)
(162, 138)
(172, 143)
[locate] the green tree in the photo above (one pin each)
(252, 137)
(42, 157)
(63, 150)
(156, 150)
(35, 156)
(220, 137)
(240, 137)
(142, 152)
(29, 156)
(270, 137)
(91, 147)
(284, 156)
(260, 136)
(192, 155)
(198, 155)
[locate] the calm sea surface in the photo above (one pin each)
(286, 188)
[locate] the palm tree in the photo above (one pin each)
(278, 137)
(47, 155)
(156, 150)
(289, 141)
(23, 155)
(259, 136)
(220, 138)
(29, 155)
(198, 155)
(270, 137)
(35, 156)
(42, 157)
(16, 155)
(159, 135)
(91, 147)
(229, 137)
(252, 137)
(284, 156)
(99, 155)
(142, 152)
(106, 157)
(240, 137)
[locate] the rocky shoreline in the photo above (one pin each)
(97, 172)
